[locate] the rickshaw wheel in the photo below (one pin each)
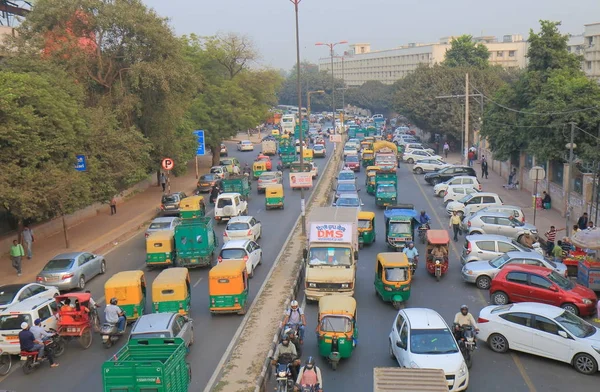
(86, 338)
(398, 305)
(334, 365)
(438, 277)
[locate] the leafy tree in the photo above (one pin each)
(464, 52)
(372, 95)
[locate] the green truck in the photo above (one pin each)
(237, 184)
(386, 189)
(195, 242)
(400, 223)
(148, 365)
(287, 152)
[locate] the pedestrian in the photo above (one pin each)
(16, 255)
(557, 252)
(546, 201)
(113, 205)
(575, 228)
(550, 238)
(582, 222)
(455, 225)
(590, 225)
(27, 237)
(566, 246)
(236, 170)
(470, 157)
(446, 149)
(484, 167)
(163, 181)
(511, 178)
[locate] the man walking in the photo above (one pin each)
(582, 222)
(163, 181)
(113, 205)
(446, 149)
(484, 167)
(455, 225)
(16, 255)
(27, 237)
(550, 238)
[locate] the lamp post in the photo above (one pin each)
(343, 114)
(308, 98)
(331, 46)
(570, 146)
(302, 202)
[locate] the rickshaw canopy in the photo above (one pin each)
(160, 241)
(337, 304)
(227, 278)
(82, 297)
(364, 215)
(392, 259)
(373, 168)
(171, 284)
(275, 190)
(438, 237)
(392, 213)
(259, 165)
(126, 286)
(192, 203)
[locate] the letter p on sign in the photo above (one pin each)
(168, 164)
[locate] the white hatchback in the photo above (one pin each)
(420, 338)
(439, 189)
(242, 250)
(242, 228)
(457, 192)
(416, 155)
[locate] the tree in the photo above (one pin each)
(464, 52)
(372, 95)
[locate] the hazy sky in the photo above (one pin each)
(382, 23)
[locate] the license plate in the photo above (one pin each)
(52, 279)
(23, 358)
(203, 184)
(105, 338)
(12, 338)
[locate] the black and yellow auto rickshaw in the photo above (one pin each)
(258, 168)
(192, 207)
(366, 228)
(228, 287)
(171, 291)
(337, 333)
(368, 158)
(129, 288)
(160, 249)
(274, 196)
(370, 179)
(393, 278)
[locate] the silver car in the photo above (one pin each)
(515, 211)
(488, 247)
(499, 223)
(163, 223)
(71, 270)
(482, 272)
(268, 178)
(164, 325)
(346, 176)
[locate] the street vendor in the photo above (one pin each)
(566, 246)
(527, 240)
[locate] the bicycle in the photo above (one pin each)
(5, 363)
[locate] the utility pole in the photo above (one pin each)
(466, 146)
(571, 146)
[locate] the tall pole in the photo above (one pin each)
(308, 102)
(332, 87)
(466, 146)
(568, 195)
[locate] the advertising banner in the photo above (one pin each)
(335, 232)
(301, 180)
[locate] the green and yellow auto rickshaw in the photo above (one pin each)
(192, 207)
(370, 179)
(171, 291)
(228, 287)
(274, 196)
(129, 288)
(258, 168)
(393, 278)
(368, 158)
(160, 249)
(366, 228)
(337, 333)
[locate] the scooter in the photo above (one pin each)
(438, 268)
(110, 334)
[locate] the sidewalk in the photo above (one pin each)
(102, 232)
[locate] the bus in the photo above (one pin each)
(288, 123)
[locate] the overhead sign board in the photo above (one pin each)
(81, 164)
(537, 173)
(335, 232)
(201, 149)
(301, 180)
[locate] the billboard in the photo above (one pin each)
(334, 232)
(301, 180)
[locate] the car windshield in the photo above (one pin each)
(348, 202)
(8, 294)
(349, 147)
(147, 335)
(13, 321)
(346, 176)
(267, 177)
(170, 199)
(159, 225)
(432, 341)
(575, 325)
(519, 246)
(336, 324)
(352, 158)
(364, 223)
(386, 188)
(561, 281)
(345, 187)
(59, 265)
(224, 202)
(329, 256)
(236, 254)
(216, 170)
(396, 274)
(400, 228)
(207, 177)
(465, 198)
(237, 226)
(499, 261)
(318, 147)
(226, 162)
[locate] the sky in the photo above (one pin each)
(384, 24)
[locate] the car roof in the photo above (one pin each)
(245, 141)
(486, 194)
(228, 194)
(493, 214)
(346, 172)
(423, 318)
(27, 305)
(69, 255)
(244, 219)
(164, 219)
(546, 310)
(349, 196)
(527, 268)
(517, 254)
(153, 322)
(452, 186)
(488, 237)
(13, 287)
(503, 206)
(455, 177)
(234, 244)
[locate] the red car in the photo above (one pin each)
(529, 283)
(266, 159)
(352, 162)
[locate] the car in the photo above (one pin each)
(416, 155)
(440, 189)
(417, 146)
(347, 176)
(223, 152)
(314, 171)
(207, 181)
(220, 172)
(162, 223)
(228, 205)
(169, 203)
(348, 200)
(268, 178)
(499, 223)
(473, 202)
(245, 145)
(266, 159)
(319, 150)
(242, 228)
(482, 272)
(304, 146)
(345, 188)
(72, 270)
(11, 294)
(488, 247)
(349, 149)
(246, 250)
(420, 338)
(457, 192)
(229, 163)
(447, 173)
(428, 165)
(515, 211)
(352, 162)
(530, 283)
(163, 325)
(543, 330)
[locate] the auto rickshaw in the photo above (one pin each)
(192, 207)
(76, 321)
(370, 179)
(337, 333)
(437, 252)
(129, 288)
(275, 132)
(392, 278)
(368, 158)
(258, 168)
(228, 288)
(160, 249)
(307, 154)
(274, 196)
(366, 228)
(171, 291)
(366, 145)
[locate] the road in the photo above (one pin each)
(490, 371)
(212, 333)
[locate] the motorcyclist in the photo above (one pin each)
(29, 343)
(310, 375)
(115, 315)
(295, 316)
(424, 219)
(247, 169)
(40, 334)
(411, 253)
(279, 166)
(214, 193)
(464, 318)
(285, 348)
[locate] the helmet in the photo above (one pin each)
(422, 212)
(310, 362)
(464, 307)
(294, 304)
(113, 301)
(24, 325)
(37, 321)
(410, 243)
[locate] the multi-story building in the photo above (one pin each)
(591, 50)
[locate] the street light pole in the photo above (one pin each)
(331, 46)
(571, 146)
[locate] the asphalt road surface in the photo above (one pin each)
(81, 369)
(490, 371)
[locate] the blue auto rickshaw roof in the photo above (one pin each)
(400, 212)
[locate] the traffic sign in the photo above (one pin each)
(537, 173)
(81, 164)
(201, 149)
(168, 164)
(335, 138)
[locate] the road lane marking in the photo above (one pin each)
(198, 281)
(523, 372)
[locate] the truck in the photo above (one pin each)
(386, 189)
(237, 184)
(400, 222)
(195, 242)
(386, 156)
(153, 364)
(392, 379)
(269, 147)
(331, 253)
(287, 153)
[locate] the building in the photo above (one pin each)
(591, 50)
(360, 64)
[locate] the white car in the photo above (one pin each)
(243, 250)
(349, 149)
(11, 294)
(220, 172)
(473, 203)
(457, 192)
(314, 171)
(163, 223)
(417, 155)
(420, 338)
(229, 205)
(242, 228)
(245, 145)
(544, 330)
(439, 189)
(319, 150)
(417, 146)
(429, 165)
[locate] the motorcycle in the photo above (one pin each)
(110, 334)
(438, 267)
(283, 373)
(423, 232)
(413, 264)
(54, 344)
(294, 336)
(466, 342)
(308, 388)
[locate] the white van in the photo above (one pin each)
(27, 311)
(288, 123)
(229, 205)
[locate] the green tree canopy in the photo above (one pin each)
(464, 52)
(372, 95)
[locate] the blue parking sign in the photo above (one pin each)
(81, 164)
(201, 149)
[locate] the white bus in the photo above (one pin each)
(288, 123)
